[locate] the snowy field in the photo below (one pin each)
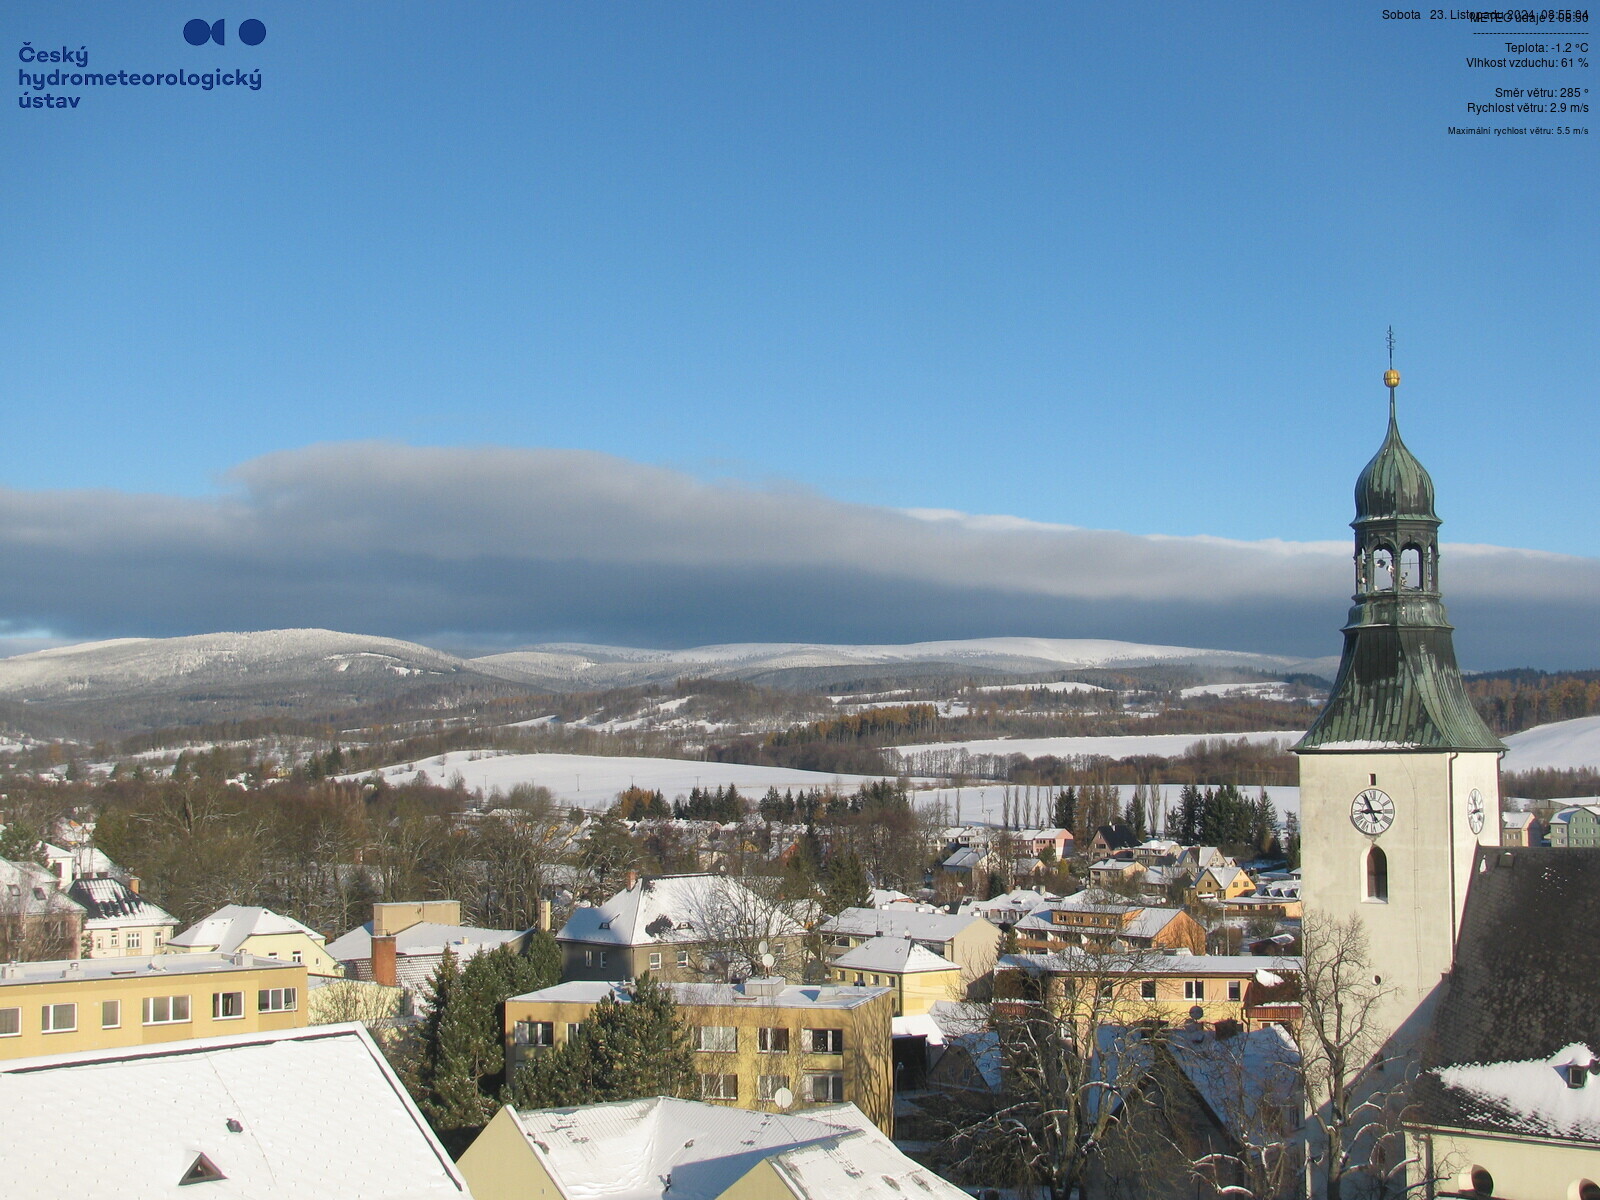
(593, 780)
(984, 805)
(1562, 745)
(1168, 745)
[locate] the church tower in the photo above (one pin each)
(1399, 776)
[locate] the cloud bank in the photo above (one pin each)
(503, 547)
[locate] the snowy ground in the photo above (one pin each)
(1168, 745)
(593, 781)
(1562, 745)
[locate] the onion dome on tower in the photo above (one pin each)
(1398, 683)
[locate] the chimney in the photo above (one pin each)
(633, 879)
(133, 884)
(384, 968)
(545, 917)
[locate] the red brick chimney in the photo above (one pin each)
(384, 967)
(633, 878)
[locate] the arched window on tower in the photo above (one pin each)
(1377, 875)
(1411, 567)
(1382, 569)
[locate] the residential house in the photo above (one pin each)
(965, 939)
(1036, 842)
(405, 941)
(1116, 871)
(918, 977)
(660, 1147)
(1005, 910)
(117, 919)
(1110, 927)
(1157, 852)
(258, 931)
(1576, 826)
(113, 1003)
(1109, 840)
(681, 928)
(37, 919)
(1195, 859)
(1519, 829)
(1217, 883)
(763, 1044)
(271, 1115)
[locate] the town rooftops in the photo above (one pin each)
(674, 908)
(1151, 963)
(423, 938)
(106, 899)
(642, 1149)
(895, 954)
(135, 966)
(226, 929)
(1516, 820)
(753, 993)
(291, 1114)
(901, 922)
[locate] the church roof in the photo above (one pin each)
(1394, 483)
(1520, 998)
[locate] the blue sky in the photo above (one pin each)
(1115, 267)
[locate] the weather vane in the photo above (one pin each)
(1391, 347)
(1391, 377)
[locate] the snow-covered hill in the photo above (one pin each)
(597, 666)
(1561, 745)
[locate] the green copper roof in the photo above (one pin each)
(1398, 683)
(1394, 483)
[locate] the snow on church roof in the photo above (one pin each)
(1535, 1095)
(319, 1113)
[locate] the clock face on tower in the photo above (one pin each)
(1372, 812)
(1475, 811)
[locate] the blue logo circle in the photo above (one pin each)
(197, 32)
(252, 32)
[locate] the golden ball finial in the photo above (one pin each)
(1391, 378)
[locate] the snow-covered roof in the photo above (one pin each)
(318, 1113)
(135, 965)
(1533, 1096)
(1251, 1081)
(897, 954)
(901, 922)
(634, 1149)
(1516, 820)
(746, 995)
(676, 908)
(29, 889)
(1151, 963)
(423, 938)
(228, 927)
(111, 903)
(880, 897)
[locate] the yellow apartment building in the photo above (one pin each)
(113, 1003)
(247, 929)
(918, 977)
(764, 1045)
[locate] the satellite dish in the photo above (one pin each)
(1196, 1013)
(761, 946)
(767, 960)
(783, 1097)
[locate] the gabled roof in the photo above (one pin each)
(30, 889)
(1250, 1082)
(630, 1150)
(898, 955)
(902, 922)
(228, 927)
(675, 908)
(1522, 987)
(423, 938)
(318, 1113)
(111, 901)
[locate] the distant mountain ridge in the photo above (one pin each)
(145, 682)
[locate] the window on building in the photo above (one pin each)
(111, 940)
(110, 1014)
(772, 1041)
(1108, 990)
(768, 1086)
(860, 979)
(1194, 989)
(1377, 875)
(655, 960)
(1147, 989)
(534, 1033)
(683, 958)
(276, 1000)
(572, 1029)
(719, 1087)
(1235, 989)
(602, 962)
(588, 958)
(297, 956)
(10, 1022)
(227, 1006)
(133, 940)
(155, 939)
(825, 1041)
(716, 1038)
(58, 1018)
(165, 1010)
(825, 1087)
